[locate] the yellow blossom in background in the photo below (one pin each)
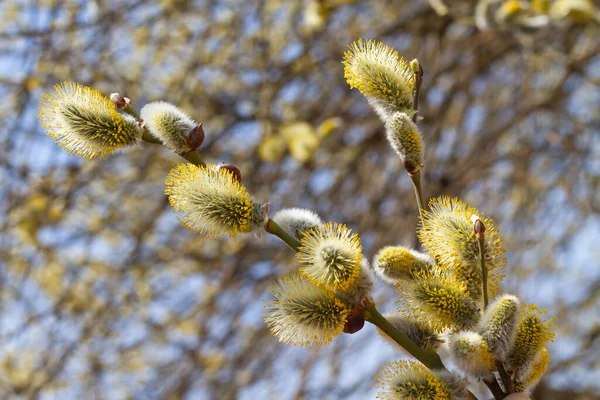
(331, 256)
(540, 6)
(213, 202)
(84, 122)
(301, 139)
(380, 75)
(303, 314)
(328, 126)
(576, 10)
(272, 148)
(447, 232)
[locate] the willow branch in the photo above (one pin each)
(416, 180)
(430, 360)
(276, 230)
(484, 271)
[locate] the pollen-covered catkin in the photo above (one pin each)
(213, 202)
(362, 287)
(531, 378)
(533, 333)
(384, 78)
(409, 380)
(331, 256)
(447, 232)
(84, 122)
(303, 314)
(439, 301)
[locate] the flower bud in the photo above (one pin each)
(355, 320)
(405, 138)
(497, 327)
(471, 354)
(195, 137)
(478, 227)
(235, 171)
(120, 101)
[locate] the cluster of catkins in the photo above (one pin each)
(441, 302)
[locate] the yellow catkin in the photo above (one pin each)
(84, 122)
(439, 301)
(410, 380)
(395, 263)
(213, 202)
(381, 75)
(303, 314)
(331, 256)
(447, 231)
(533, 333)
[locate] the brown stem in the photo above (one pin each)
(495, 389)
(506, 378)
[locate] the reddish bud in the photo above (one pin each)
(355, 320)
(195, 137)
(120, 101)
(479, 228)
(235, 171)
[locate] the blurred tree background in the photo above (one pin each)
(104, 295)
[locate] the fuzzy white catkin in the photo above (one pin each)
(169, 124)
(470, 353)
(296, 221)
(498, 324)
(405, 138)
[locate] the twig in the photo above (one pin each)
(416, 180)
(274, 229)
(506, 378)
